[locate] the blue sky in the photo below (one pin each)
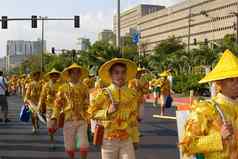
(96, 15)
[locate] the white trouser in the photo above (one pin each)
(115, 149)
(73, 131)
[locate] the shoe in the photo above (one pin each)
(7, 120)
(1, 120)
(52, 147)
(33, 131)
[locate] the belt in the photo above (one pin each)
(117, 135)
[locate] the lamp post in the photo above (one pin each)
(236, 15)
(189, 28)
(119, 26)
(42, 41)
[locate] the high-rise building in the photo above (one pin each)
(106, 35)
(3, 64)
(20, 50)
(21, 47)
(130, 18)
(184, 21)
(83, 44)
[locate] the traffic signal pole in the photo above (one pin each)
(42, 43)
(34, 19)
(119, 26)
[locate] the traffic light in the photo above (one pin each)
(194, 41)
(73, 55)
(34, 21)
(76, 21)
(53, 50)
(206, 41)
(234, 26)
(4, 22)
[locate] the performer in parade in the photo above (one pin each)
(164, 88)
(72, 100)
(32, 97)
(3, 98)
(211, 129)
(142, 88)
(156, 91)
(116, 108)
(46, 102)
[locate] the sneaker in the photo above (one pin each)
(1, 120)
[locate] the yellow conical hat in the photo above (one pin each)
(53, 71)
(142, 70)
(104, 69)
(227, 67)
(164, 74)
(83, 71)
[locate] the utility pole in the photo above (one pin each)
(189, 28)
(236, 15)
(42, 42)
(119, 26)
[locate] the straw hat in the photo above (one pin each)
(104, 73)
(35, 73)
(226, 68)
(164, 74)
(83, 71)
(53, 71)
(142, 70)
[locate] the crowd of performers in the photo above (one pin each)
(110, 105)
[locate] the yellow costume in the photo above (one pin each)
(120, 122)
(164, 85)
(48, 95)
(142, 88)
(203, 129)
(121, 126)
(33, 92)
(73, 101)
(90, 82)
(32, 97)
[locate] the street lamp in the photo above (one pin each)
(189, 26)
(119, 26)
(236, 15)
(42, 41)
(212, 20)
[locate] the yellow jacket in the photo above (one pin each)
(202, 130)
(73, 100)
(142, 87)
(48, 95)
(124, 119)
(33, 92)
(163, 84)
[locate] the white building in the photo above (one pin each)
(20, 50)
(106, 35)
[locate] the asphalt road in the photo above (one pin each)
(17, 142)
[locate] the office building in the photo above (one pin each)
(83, 44)
(19, 50)
(184, 21)
(106, 35)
